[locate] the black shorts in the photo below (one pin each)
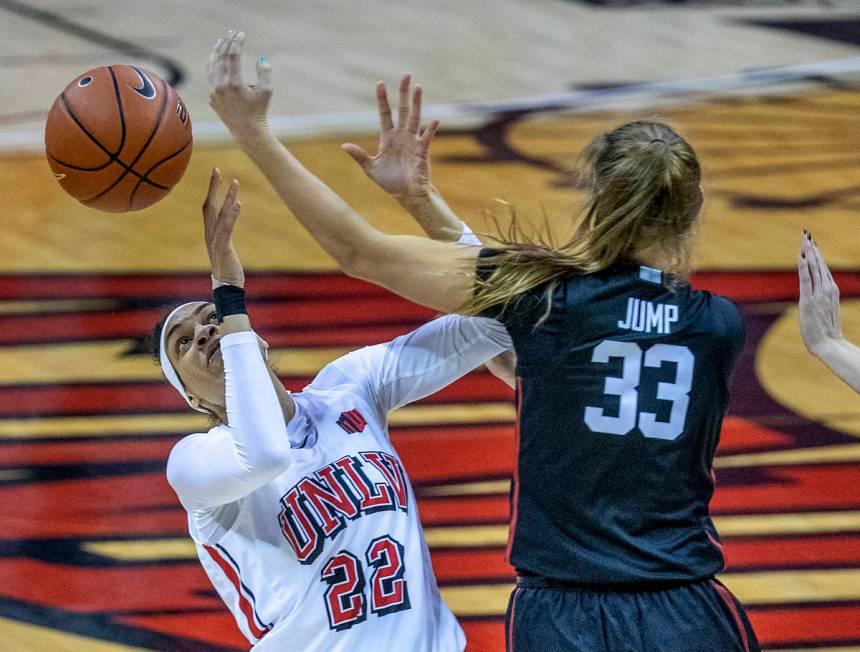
(697, 617)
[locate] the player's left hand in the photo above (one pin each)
(242, 107)
(820, 319)
(218, 224)
(401, 166)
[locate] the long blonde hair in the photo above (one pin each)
(644, 180)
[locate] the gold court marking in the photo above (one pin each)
(33, 638)
(184, 423)
(56, 306)
(772, 587)
(143, 550)
(107, 362)
(481, 536)
(838, 453)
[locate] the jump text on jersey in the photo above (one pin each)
(648, 317)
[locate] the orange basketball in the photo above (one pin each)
(118, 138)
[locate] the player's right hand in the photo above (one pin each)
(401, 166)
(218, 224)
(242, 107)
(820, 319)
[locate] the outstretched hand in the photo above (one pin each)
(218, 224)
(820, 319)
(242, 107)
(401, 165)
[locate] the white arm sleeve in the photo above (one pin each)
(230, 461)
(419, 363)
(467, 236)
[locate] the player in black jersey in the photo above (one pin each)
(622, 381)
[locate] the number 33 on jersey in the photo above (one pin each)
(627, 389)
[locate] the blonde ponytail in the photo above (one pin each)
(644, 194)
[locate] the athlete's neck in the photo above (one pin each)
(652, 256)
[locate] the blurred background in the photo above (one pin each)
(94, 552)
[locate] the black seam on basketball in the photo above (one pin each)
(78, 167)
(130, 167)
(113, 158)
(102, 167)
(85, 130)
(155, 165)
(121, 112)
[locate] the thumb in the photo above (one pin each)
(357, 154)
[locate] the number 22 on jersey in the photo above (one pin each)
(626, 388)
(345, 600)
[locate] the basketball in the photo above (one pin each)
(118, 138)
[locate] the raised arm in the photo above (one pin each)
(401, 165)
(419, 363)
(252, 446)
(435, 274)
(820, 319)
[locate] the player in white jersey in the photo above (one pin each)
(300, 509)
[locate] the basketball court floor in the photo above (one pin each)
(94, 552)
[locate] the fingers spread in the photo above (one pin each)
(212, 193)
(357, 154)
(264, 76)
(414, 119)
(231, 216)
(213, 60)
(224, 43)
(230, 198)
(429, 132)
(227, 215)
(210, 215)
(384, 108)
(403, 111)
(234, 59)
(218, 60)
(214, 182)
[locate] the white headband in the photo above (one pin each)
(167, 365)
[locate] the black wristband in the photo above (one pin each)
(229, 300)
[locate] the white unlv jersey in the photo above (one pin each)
(329, 554)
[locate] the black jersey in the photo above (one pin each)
(622, 388)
